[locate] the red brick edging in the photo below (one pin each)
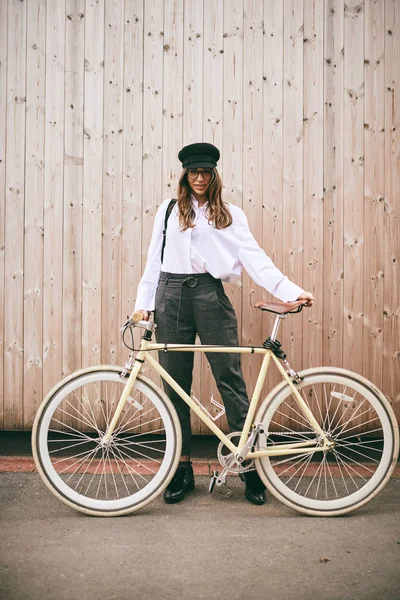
(25, 464)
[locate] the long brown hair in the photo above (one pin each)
(217, 211)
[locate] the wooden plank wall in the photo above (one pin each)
(96, 99)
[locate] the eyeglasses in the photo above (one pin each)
(193, 174)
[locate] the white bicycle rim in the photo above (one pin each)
(79, 501)
(267, 466)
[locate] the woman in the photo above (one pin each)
(207, 241)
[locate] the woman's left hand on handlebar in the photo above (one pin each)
(307, 296)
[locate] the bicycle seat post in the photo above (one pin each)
(276, 327)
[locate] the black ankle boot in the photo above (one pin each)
(182, 482)
(255, 489)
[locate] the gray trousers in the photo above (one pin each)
(190, 304)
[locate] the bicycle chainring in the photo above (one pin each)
(227, 458)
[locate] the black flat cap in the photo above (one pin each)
(199, 155)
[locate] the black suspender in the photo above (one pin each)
(168, 212)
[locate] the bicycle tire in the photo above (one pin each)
(134, 471)
(360, 464)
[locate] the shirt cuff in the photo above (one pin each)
(145, 299)
(287, 291)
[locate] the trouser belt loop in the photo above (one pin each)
(179, 306)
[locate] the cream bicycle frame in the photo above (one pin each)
(143, 354)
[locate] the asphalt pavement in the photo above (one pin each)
(208, 546)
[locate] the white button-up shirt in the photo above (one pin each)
(204, 249)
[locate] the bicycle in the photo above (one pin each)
(106, 440)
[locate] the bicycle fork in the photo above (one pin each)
(139, 360)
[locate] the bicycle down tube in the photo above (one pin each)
(284, 449)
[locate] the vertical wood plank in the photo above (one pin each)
(232, 134)
(73, 186)
(391, 327)
(232, 151)
(152, 128)
(353, 153)
(92, 184)
(374, 193)
(173, 95)
(71, 331)
(212, 133)
(14, 222)
(232, 144)
(3, 141)
(192, 66)
(252, 173)
(132, 155)
(92, 200)
(292, 259)
(193, 128)
(313, 211)
(112, 181)
(272, 154)
(332, 292)
(34, 177)
(53, 199)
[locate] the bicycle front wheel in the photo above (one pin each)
(359, 420)
(113, 479)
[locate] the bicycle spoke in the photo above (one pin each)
(356, 463)
(119, 469)
(318, 404)
(80, 464)
(128, 467)
(145, 432)
(348, 472)
(135, 459)
(327, 410)
(348, 420)
(79, 434)
(137, 452)
(312, 480)
(72, 417)
(332, 479)
(68, 447)
(341, 472)
(81, 460)
(299, 414)
(301, 460)
(86, 470)
(292, 419)
(88, 418)
(112, 473)
(365, 423)
(305, 467)
(142, 446)
(362, 454)
(348, 444)
(101, 476)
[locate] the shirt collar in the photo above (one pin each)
(196, 204)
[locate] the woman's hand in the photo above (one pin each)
(307, 296)
(145, 314)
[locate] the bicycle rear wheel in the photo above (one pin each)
(356, 416)
(98, 479)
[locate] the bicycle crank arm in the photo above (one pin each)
(248, 447)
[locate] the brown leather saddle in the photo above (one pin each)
(282, 308)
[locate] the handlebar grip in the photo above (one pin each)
(136, 317)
